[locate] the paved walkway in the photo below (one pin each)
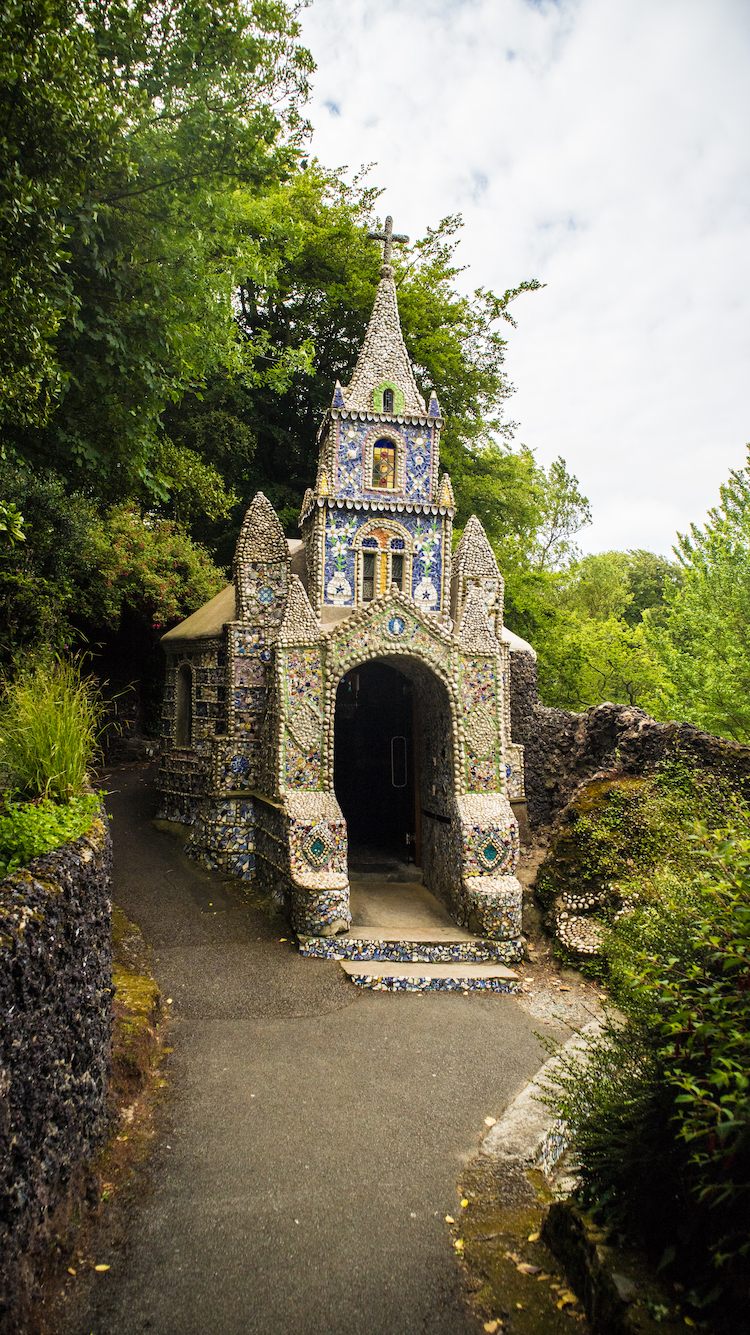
(315, 1133)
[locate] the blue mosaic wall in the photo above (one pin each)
(415, 483)
(425, 538)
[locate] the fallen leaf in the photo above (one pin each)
(490, 1121)
(168, 1001)
(688, 1321)
(527, 1269)
(566, 1297)
(449, 1219)
(464, 1204)
(511, 1256)
(101, 1267)
(542, 1276)
(491, 1327)
(519, 1306)
(283, 938)
(533, 1237)
(459, 1244)
(71, 1271)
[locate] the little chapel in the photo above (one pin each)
(350, 688)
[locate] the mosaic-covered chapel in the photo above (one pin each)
(350, 689)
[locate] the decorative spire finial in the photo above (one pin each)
(387, 237)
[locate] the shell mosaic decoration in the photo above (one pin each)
(249, 709)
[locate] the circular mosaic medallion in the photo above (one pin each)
(239, 764)
(396, 626)
(265, 596)
(265, 655)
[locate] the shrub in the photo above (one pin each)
(50, 719)
(28, 829)
(661, 1113)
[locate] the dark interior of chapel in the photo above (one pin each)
(375, 768)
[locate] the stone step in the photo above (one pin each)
(427, 947)
(432, 977)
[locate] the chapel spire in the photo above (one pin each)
(383, 362)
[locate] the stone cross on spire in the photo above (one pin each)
(387, 237)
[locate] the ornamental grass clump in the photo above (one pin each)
(50, 721)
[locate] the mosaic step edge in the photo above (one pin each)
(385, 984)
(413, 952)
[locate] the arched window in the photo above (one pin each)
(387, 400)
(384, 465)
(184, 707)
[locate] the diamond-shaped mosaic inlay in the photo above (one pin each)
(491, 853)
(480, 731)
(317, 848)
(304, 724)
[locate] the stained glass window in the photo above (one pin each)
(384, 465)
(397, 571)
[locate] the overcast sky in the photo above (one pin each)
(602, 147)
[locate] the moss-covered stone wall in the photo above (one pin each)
(564, 750)
(55, 1027)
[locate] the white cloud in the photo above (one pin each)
(600, 146)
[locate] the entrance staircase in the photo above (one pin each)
(403, 940)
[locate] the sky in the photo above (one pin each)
(603, 148)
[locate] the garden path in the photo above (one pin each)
(310, 1146)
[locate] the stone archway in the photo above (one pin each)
(365, 765)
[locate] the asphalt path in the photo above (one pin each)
(314, 1132)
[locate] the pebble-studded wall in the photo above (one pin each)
(55, 1025)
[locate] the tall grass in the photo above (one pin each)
(50, 720)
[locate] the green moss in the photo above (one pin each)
(620, 831)
(137, 1007)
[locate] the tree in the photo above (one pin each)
(305, 312)
(129, 131)
(596, 642)
(705, 645)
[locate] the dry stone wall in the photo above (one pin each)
(562, 749)
(55, 1027)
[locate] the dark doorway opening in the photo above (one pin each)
(375, 764)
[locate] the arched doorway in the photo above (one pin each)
(376, 763)
(393, 761)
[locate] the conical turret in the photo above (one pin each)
(384, 362)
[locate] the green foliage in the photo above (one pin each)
(597, 641)
(589, 661)
(128, 131)
(50, 720)
(28, 829)
(151, 566)
(11, 525)
(704, 644)
(661, 1110)
(304, 311)
(80, 572)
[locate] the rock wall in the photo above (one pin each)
(563, 750)
(55, 1026)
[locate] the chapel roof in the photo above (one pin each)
(383, 356)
